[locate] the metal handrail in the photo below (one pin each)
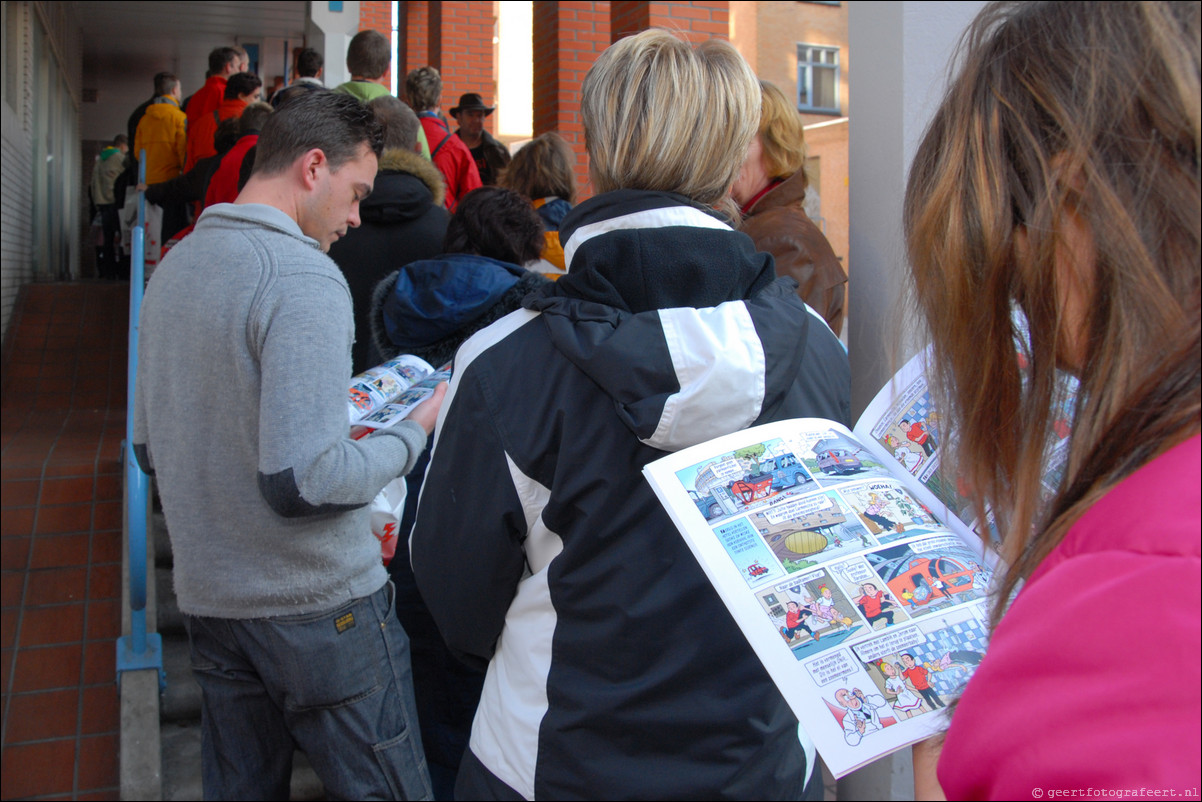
(140, 649)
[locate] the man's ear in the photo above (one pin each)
(312, 165)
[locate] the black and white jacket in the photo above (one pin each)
(614, 670)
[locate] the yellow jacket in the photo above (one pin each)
(162, 133)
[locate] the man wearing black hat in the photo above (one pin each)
(489, 154)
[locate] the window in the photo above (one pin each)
(818, 79)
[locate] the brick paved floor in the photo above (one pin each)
(63, 418)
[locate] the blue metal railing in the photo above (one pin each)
(140, 649)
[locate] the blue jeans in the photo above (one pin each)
(335, 684)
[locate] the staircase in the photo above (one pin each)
(179, 708)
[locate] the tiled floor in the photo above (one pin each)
(63, 421)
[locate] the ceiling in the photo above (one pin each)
(138, 38)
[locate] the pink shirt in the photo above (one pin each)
(1092, 680)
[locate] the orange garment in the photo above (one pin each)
(161, 134)
(204, 131)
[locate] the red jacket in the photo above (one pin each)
(223, 186)
(204, 130)
(452, 158)
(205, 99)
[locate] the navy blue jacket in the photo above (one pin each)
(614, 670)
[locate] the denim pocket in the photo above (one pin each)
(332, 660)
(404, 767)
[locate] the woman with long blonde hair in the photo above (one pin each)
(1052, 220)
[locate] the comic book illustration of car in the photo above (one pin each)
(833, 458)
(774, 475)
(706, 505)
(755, 569)
(923, 580)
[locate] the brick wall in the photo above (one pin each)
(376, 15)
(415, 22)
(698, 21)
(568, 38)
(466, 31)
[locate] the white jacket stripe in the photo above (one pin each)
(505, 730)
(720, 365)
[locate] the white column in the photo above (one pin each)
(901, 52)
(329, 33)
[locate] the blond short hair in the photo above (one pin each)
(661, 115)
(781, 134)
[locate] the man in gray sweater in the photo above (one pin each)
(244, 363)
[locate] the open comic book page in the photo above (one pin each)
(383, 395)
(902, 425)
(866, 609)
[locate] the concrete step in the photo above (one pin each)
(181, 700)
(181, 766)
(162, 543)
(170, 619)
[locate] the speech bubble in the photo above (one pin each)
(855, 572)
(727, 469)
(813, 575)
(797, 508)
(831, 667)
(943, 543)
(890, 643)
(738, 537)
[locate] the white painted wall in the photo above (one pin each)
(902, 51)
(330, 32)
(41, 202)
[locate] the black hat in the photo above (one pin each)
(471, 102)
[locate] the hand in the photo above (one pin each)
(141, 188)
(926, 759)
(425, 414)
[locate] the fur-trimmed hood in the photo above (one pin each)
(404, 161)
(446, 300)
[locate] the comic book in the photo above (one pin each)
(843, 557)
(381, 396)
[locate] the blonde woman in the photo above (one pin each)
(1060, 179)
(614, 671)
(770, 191)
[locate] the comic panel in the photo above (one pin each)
(873, 599)
(888, 511)
(931, 575)
(856, 705)
(832, 458)
(808, 531)
(747, 479)
(910, 431)
(920, 668)
(811, 613)
(748, 552)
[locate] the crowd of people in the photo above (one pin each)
(547, 634)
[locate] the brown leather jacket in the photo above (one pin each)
(778, 224)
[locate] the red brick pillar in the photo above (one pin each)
(434, 35)
(568, 37)
(465, 33)
(376, 15)
(415, 37)
(698, 21)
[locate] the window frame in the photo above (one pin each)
(806, 68)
